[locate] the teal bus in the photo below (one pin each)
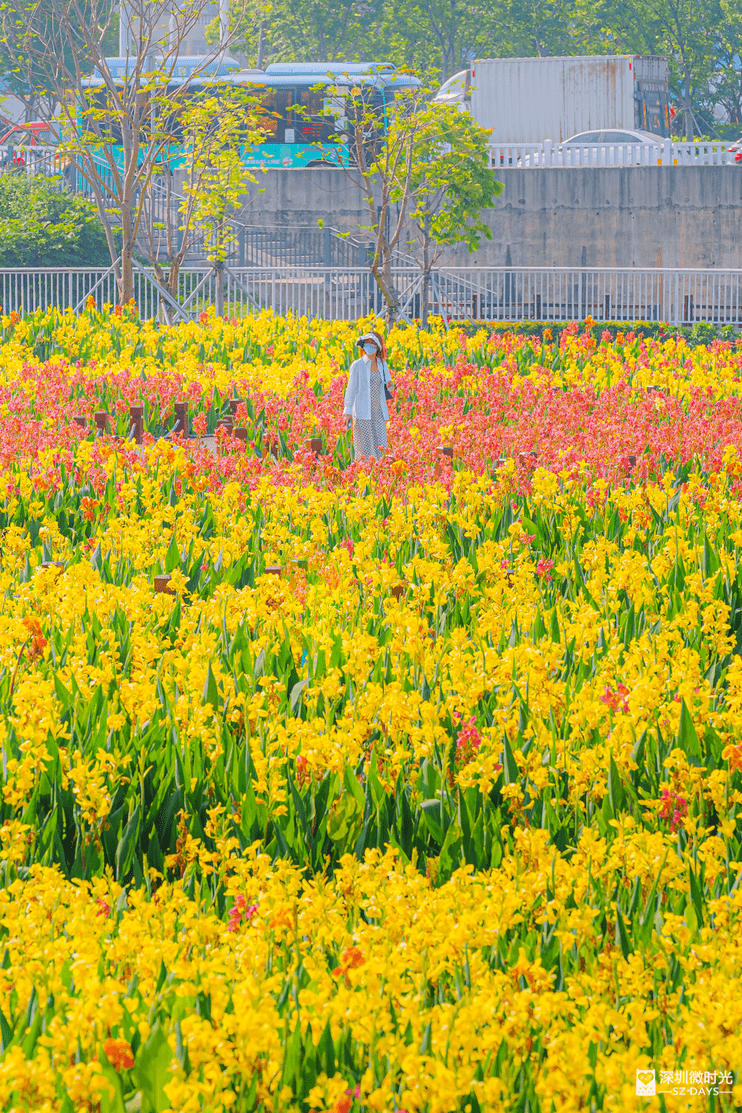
(304, 103)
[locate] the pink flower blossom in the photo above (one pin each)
(544, 567)
(673, 807)
(468, 742)
(240, 911)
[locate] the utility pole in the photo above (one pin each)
(124, 37)
(223, 23)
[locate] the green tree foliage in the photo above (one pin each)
(527, 28)
(41, 226)
(201, 184)
(308, 30)
(24, 72)
(725, 85)
(702, 39)
(118, 132)
(428, 166)
(682, 30)
(450, 184)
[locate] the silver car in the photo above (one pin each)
(613, 138)
(585, 148)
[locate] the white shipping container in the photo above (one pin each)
(527, 100)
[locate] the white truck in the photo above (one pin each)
(528, 100)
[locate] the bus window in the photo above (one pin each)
(311, 123)
(96, 120)
(272, 117)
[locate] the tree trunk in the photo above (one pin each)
(219, 292)
(425, 287)
(126, 276)
(687, 111)
(173, 278)
(261, 46)
(382, 272)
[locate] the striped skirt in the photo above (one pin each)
(369, 437)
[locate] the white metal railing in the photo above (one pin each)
(549, 154)
(679, 297)
(559, 294)
(32, 160)
(50, 160)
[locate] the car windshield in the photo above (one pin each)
(25, 137)
(585, 137)
(621, 137)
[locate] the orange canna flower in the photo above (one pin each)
(119, 1054)
(88, 508)
(733, 754)
(351, 958)
(37, 639)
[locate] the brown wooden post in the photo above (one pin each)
(136, 423)
(181, 416)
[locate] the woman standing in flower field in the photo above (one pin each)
(365, 397)
(561, 830)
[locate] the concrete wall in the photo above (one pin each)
(682, 216)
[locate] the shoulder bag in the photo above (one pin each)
(387, 391)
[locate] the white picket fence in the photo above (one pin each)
(47, 160)
(550, 154)
(559, 294)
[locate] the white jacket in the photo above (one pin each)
(358, 390)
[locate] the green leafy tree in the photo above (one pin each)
(201, 184)
(432, 37)
(684, 30)
(119, 132)
(528, 28)
(306, 30)
(217, 130)
(419, 163)
(725, 86)
(23, 72)
(450, 183)
(42, 226)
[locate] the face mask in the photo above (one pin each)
(370, 349)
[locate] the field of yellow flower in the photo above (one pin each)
(414, 786)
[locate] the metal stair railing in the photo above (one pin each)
(479, 294)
